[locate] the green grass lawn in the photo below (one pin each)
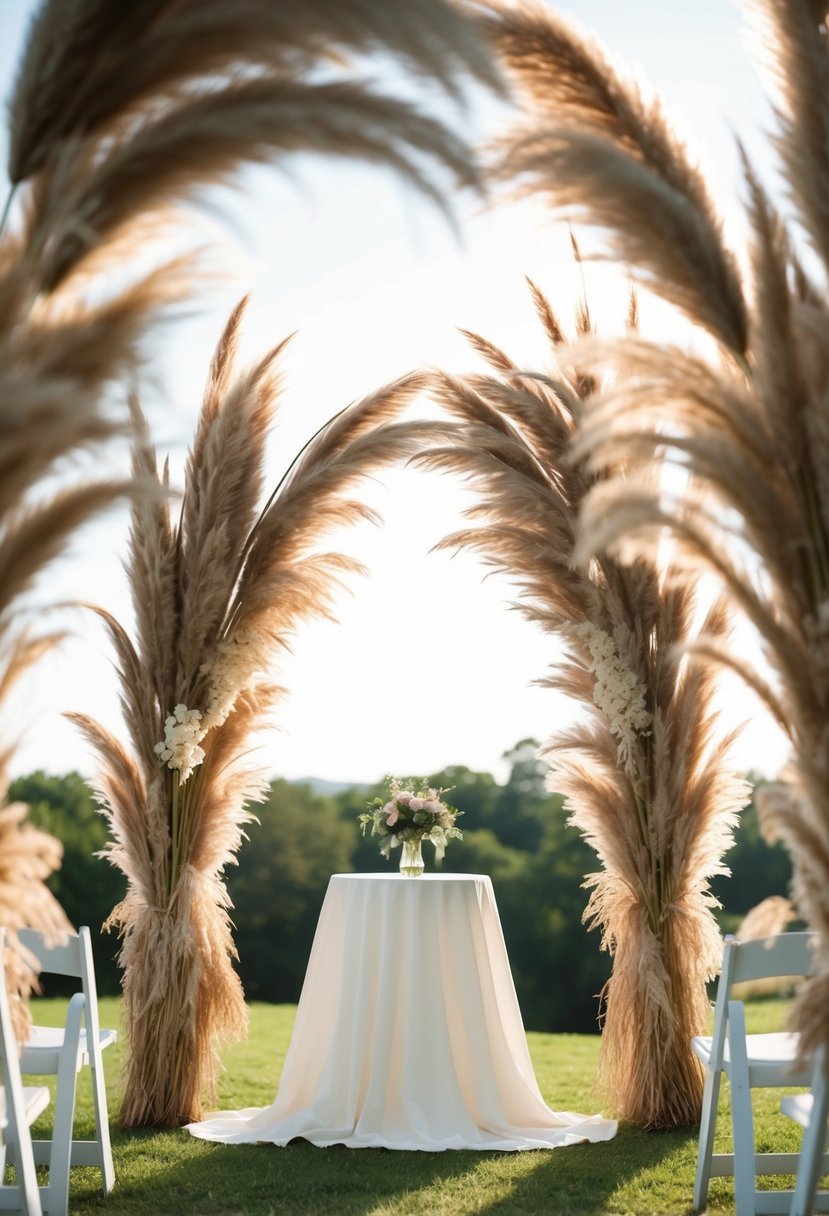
(636, 1174)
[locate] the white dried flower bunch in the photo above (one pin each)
(239, 659)
(183, 732)
(617, 692)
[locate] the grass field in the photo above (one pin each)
(636, 1174)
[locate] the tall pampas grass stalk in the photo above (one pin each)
(747, 425)
(218, 592)
(645, 770)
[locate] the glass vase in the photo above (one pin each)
(411, 858)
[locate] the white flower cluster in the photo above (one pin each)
(616, 692)
(183, 732)
(237, 661)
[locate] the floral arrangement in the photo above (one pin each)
(411, 813)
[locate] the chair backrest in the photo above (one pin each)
(59, 957)
(766, 957)
(789, 954)
(69, 955)
(15, 1103)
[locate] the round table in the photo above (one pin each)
(408, 1033)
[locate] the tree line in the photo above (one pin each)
(516, 832)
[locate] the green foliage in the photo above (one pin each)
(278, 887)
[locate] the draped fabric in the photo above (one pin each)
(408, 1033)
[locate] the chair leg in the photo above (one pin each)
(811, 1150)
(27, 1182)
(742, 1120)
(708, 1125)
(102, 1124)
(56, 1195)
(25, 1187)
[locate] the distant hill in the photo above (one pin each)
(320, 786)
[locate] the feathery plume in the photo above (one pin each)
(120, 117)
(601, 152)
(28, 856)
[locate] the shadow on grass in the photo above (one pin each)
(170, 1172)
(635, 1174)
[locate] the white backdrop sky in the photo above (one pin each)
(428, 666)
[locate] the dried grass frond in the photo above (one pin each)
(93, 195)
(28, 856)
(794, 40)
(81, 75)
(766, 919)
(651, 788)
(117, 121)
(601, 153)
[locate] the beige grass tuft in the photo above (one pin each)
(602, 152)
(28, 856)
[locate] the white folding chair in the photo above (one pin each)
(22, 1105)
(810, 1111)
(41, 1053)
(750, 1062)
(19, 1107)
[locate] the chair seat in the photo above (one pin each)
(41, 1049)
(773, 1052)
(35, 1101)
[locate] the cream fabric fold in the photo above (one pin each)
(408, 1033)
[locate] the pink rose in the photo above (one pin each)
(416, 804)
(392, 813)
(405, 797)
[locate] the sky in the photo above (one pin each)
(428, 664)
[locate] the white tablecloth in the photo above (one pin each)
(408, 1033)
